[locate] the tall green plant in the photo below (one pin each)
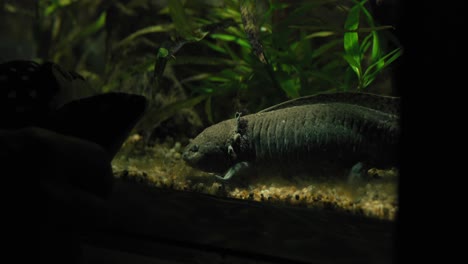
(355, 52)
(262, 52)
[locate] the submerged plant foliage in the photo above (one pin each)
(184, 54)
(355, 52)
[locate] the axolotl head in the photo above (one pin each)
(209, 150)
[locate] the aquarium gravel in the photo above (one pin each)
(161, 166)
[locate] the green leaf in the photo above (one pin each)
(208, 110)
(239, 41)
(161, 61)
(376, 49)
(94, 27)
(291, 87)
(353, 64)
(351, 45)
(385, 60)
(374, 69)
(351, 40)
(214, 47)
(143, 31)
(366, 43)
(218, 79)
(231, 53)
(55, 5)
(162, 53)
(320, 34)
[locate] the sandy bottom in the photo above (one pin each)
(161, 166)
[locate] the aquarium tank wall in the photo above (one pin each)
(195, 128)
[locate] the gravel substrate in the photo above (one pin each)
(162, 167)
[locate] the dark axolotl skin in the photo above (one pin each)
(313, 133)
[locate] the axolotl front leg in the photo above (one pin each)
(236, 169)
(241, 167)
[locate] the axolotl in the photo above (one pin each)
(320, 133)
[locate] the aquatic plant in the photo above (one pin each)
(217, 56)
(355, 52)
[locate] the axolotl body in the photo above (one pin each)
(325, 132)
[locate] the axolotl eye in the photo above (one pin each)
(194, 148)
